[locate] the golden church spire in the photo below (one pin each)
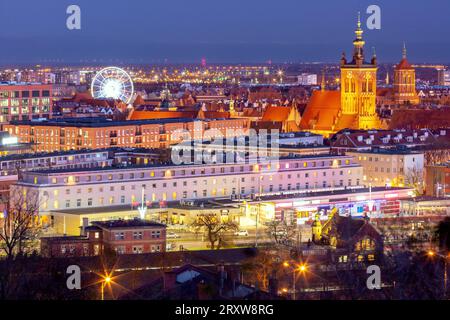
(358, 43)
(404, 50)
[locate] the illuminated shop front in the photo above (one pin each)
(382, 202)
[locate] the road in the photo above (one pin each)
(194, 241)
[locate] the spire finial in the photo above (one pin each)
(374, 52)
(358, 30)
(404, 50)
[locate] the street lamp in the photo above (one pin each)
(301, 268)
(432, 254)
(106, 281)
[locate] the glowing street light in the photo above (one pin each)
(302, 268)
(431, 254)
(106, 281)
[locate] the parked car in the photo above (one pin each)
(170, 246)
(243, 233)
(172, 235)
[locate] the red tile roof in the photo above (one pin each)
(404, 64)
(322, 111)
(273, 113)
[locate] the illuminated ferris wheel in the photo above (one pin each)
(112, 83)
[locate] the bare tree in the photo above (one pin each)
(258, 269)
(280, 231)
(215, 228)
(414, 179)
(19, 223)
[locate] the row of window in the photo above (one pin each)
(24, 94)
(137, 249)
(196, 193)
(191, 172)
(137, 235)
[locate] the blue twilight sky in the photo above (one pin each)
(152, 31)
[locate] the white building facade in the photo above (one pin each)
(108, 186)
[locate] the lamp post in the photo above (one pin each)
(431, 254)
(106, 281)
(301, 268)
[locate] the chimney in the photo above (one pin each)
(85, 224)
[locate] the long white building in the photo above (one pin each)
(107, 186)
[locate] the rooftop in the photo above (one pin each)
(390, 151)
(312, 193)
(170, 164)
(14, 83)
(133, 223)
(97, 122)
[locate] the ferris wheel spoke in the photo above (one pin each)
(123, 88)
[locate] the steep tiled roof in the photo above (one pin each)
(322, 111)
(145, 115)
(274, 113)
(404, 64)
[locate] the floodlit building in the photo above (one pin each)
(354, 106)
(96, 188)
(391, 167)
(97, 133)
(24, 101)
(405, 82)
(307, 79)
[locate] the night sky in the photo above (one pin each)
(233, 31)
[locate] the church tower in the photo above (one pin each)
(405, 82)
(359, 85)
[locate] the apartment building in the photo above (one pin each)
(365, 140)
(13, 165)
(24, 101)
(391, 167)
(96, 133)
